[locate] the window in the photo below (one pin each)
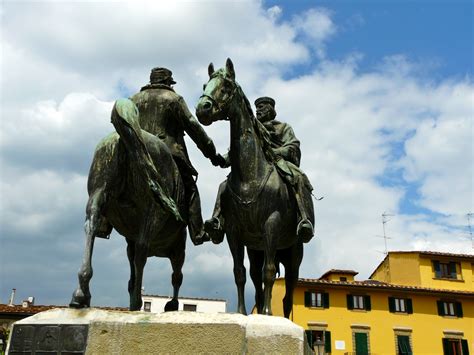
(316, 299)
(358, 302)
(400, 305)
(319, 341)
(445, 270)
(453, 346)
(189, 307)
(450, 308)
(342, 278)
(403, 345)
(147, 306)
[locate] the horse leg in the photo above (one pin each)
(269, 269)
(177, 261)
(131, 258)
(256, 267)
(237, 251)
(291, 261)
(139, 261)
(81, 296)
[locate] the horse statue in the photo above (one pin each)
(258, 208)
(128, 193)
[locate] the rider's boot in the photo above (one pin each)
(215, 226)
(305, 229)
(195, 225)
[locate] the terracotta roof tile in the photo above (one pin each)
(338, 271)
(437, 253)
(381, 285)
(19, 309)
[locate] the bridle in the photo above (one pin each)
(221, 106)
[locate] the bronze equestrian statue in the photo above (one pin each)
(286, 147)
(165, 114)
(258, 205)
(138, 186)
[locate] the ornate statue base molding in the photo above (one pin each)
(96, 331)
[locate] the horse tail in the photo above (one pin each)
(125, 120)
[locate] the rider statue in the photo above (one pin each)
(164, 113)
(286, 147)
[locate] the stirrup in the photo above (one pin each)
(305, 230)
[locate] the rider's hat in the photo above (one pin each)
(160, 75)
(265, 99)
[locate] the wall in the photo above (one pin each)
(205, 306)
(465, 282)
(426, 325)
(405, 269)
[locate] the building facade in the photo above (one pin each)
(156, 304)
(413, 303)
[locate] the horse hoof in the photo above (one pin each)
(77, 305)
(172, 305)
(79, 300)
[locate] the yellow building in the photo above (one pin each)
(413, 303)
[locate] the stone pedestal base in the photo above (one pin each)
(94, 331)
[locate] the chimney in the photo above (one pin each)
(12, 297)
(28, 302)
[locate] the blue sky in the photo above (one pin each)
(380, 94)
(437, 32)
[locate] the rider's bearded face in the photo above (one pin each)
(265, 112)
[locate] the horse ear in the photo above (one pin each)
(230, 68)
(210, 69)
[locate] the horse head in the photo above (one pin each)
(218, 94)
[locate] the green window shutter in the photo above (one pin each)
(404, 345)
(327, 341)
(465, 347)
(309, 337)
(350, 302)
(326, 300)
(437, 268)
(452, 270)
(367, 304)
(362, 348)
(440, 308)
(391, 304)
(447, 350)
(307, 299)
(409, 305)
(459, 309)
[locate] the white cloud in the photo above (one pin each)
(440, 156)
(317, 27)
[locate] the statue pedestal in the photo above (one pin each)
(95, 331)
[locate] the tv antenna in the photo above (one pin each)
(385, 220)
(469, 216)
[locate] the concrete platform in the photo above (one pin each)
(95, 331)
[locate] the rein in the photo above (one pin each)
(223, 104)
(247, 203)
(267, 152)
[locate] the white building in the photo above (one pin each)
(156, 304)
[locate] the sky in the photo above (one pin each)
(380, 94)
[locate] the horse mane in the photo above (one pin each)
(260, 130)
(262, 133)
